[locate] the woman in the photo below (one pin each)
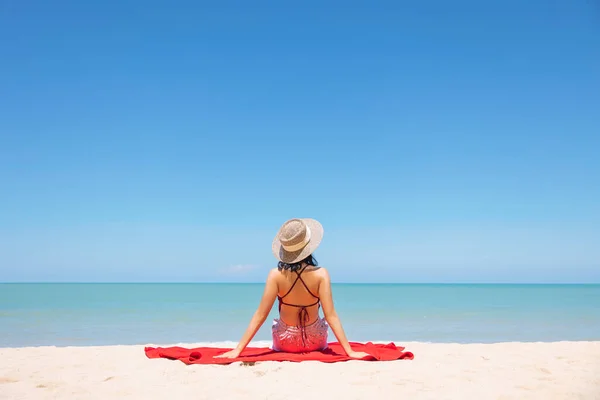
(301, 288)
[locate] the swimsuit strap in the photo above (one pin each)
(299, 278)
(294, 284)
(304, 283)
(302, 312)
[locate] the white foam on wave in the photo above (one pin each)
(258, 343)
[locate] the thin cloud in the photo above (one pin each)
(239, 269)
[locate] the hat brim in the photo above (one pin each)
(316, 235)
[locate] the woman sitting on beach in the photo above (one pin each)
(301, 287)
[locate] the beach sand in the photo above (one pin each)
(562, 370)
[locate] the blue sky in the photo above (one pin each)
(167, 141)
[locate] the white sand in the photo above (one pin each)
(564, 370)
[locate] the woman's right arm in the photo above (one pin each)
(332, 318)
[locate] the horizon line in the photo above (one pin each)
(262, 282)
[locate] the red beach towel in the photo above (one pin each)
(334, 353)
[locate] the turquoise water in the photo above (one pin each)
(104, 314)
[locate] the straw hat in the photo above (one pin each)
(297, 239)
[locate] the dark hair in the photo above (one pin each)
(310, 260)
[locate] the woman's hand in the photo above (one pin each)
(358, 354)
(235, 353)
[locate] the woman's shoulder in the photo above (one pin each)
(320, 272)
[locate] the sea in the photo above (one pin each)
(74, 314)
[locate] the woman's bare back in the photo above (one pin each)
(291, 301)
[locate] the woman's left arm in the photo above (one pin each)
(259, 317)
